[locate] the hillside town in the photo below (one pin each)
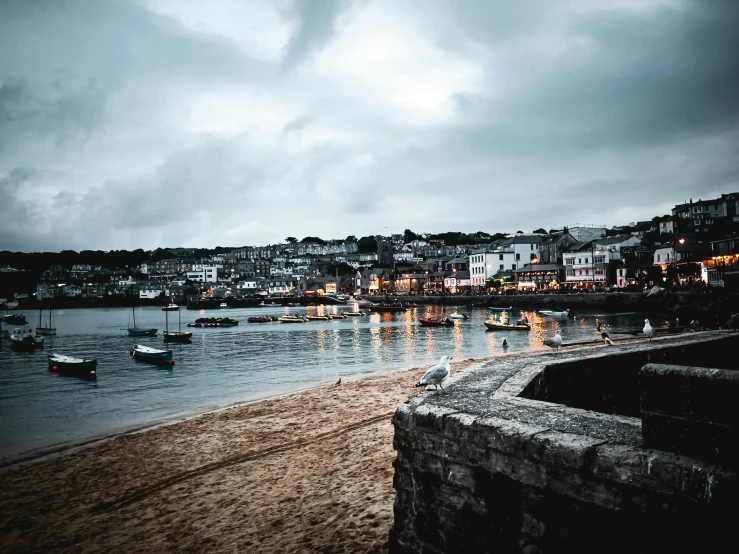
(693, 248)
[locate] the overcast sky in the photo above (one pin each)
(130, 124)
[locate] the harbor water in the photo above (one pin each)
(41, 411)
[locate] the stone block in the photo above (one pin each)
(564, 449)
(525, 471)
(505, 436)
(458, 426)
(431, 417)
(459, 476)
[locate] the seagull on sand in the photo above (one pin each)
(555, 341)
(338, 382)
(649, 330)
(606, 338)
(436, 374)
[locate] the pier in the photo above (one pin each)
(602, 449)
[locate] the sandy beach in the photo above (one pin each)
(306, 472)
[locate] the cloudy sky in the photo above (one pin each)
(128, 124)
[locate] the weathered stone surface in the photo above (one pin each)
(484, 469)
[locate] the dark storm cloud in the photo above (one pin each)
(145, 129)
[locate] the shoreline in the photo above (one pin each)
(274, 475)
(57, 450)
(308, 471)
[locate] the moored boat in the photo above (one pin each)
(152, 355)
(259, 319)
(214, 322)
(317, 318)
(430, 322)
(22, 340)
(387, 308)
(175, 336)
(354, 314)
(494, 309)
(493, 326)
(171, 307)
(140, 331)
(556, 312)
(287, 319)
(67, 365)
(459, 316)
(15, 319)
(47, 329)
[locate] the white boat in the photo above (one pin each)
(171, 307)
(223, 305)
(23, 340)
(81, 367)
(557, 313)
(152, 355)
(459, 316)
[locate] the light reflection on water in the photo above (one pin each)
(229, 365)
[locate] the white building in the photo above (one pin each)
(203, 273)
(510, 255)
(149, 292)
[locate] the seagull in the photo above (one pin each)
(606, 338)
(649, 330)
(555, 341)
(338, 382)
(436, 374)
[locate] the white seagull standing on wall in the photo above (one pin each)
(555, 341)
(436, 374)
(649, 330)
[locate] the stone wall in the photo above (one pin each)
(485, 469)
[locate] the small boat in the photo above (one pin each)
(67, 365)
(291, 319)
(493, 326)
(47, 329)
(15, 319)
(459, 316)
(556, 312)
(429, 322)
(411, 305)
(22, 340)
(214, 322)
(140, 331)
(152, 355)
(171, 307)
(175, 336)
(317, 318)
(337, 316)
(387, 308)
(223, 305)
(354, 314)
(494, 309)
(259, 319)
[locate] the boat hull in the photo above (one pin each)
(259, 319)
(176, 336)
(158, 357)
(435, 322)
(74, 366)
(26, 345)
(506, 327)
(138, 332)
(508, 309)
(45, 331)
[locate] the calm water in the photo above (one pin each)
(41, 410)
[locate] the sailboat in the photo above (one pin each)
(175, 336)
(140, 331)
(49, 328)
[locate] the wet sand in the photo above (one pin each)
(306, 472)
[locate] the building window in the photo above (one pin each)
(513, 267)
(579, 260)
(570, 272)
(569, 261)
(599, 259)
(518, 256)
(501, 266)
(657, 257)
(501, 257)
